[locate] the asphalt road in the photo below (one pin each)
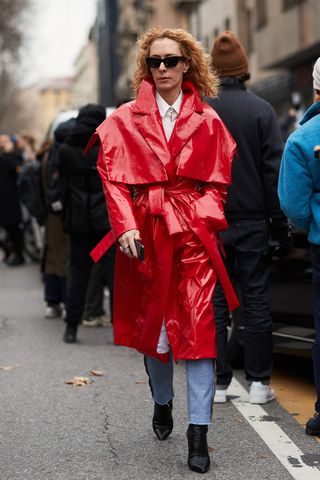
(102, 431)
(292, 379)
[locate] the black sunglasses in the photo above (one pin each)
(169, 62)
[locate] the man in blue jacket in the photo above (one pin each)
(299, 193)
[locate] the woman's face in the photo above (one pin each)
(168, 80)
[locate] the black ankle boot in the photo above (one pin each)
(162, 422)
(313, 425)
(198, 458)
(70, 334)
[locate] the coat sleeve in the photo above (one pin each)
(225, 151)
(295, 186)
(271, 151)
(119, 202)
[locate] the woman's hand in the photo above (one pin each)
(127, 245)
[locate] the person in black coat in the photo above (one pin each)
(85, 213)
(56, 240)
(10, 209)
(254, 216)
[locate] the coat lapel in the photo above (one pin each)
(189, 119)
(148, 122)
(150, 127)
(186, 125)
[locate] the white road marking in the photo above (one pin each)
(275, 438)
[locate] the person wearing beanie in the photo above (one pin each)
(316, 76)
(253, 213)
(299, 187)
(85, 215)
(229, 57)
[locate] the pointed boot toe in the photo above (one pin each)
(198, 457)
(162, 422)
(162, 432)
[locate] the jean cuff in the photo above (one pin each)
(198, 421)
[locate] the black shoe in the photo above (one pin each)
(70, 335)
(198, 458)
(162, 422)
(15, 260)
(313, 425)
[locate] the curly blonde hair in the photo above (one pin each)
(200, 71)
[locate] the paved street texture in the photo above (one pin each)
(102, 431)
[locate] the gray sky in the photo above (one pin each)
(57, 30)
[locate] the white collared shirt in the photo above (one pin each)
(168, 113)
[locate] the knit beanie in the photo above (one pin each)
(316, 75)
(91, 115)
(228, 56)
(89, 118)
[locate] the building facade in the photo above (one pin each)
(55, 97)
(84, 87)
(287, 38)
(211, 17)
(281, 37)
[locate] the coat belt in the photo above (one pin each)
(159, 204)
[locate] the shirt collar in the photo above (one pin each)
(164, 106)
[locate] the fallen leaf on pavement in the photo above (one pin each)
(240, 420)
(141, 382)
(78, 381)
(210, 449)
(97, 373)
(7, 368)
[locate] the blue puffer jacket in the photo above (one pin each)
(299, 180)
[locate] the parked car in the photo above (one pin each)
(290, 296)
(60, 118)
(67, 115)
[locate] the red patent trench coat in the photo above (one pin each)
(173, 193)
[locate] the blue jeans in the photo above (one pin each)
(200, 386)
(315, 258)
(246, 245)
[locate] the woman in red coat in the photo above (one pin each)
(165, 163)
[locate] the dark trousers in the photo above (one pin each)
(15, 234)
(246, 246)
(79, 274)
(315, 258)
(102, 274)
(55, 289)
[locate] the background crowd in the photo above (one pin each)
(52, 209)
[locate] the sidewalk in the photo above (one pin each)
(102, 431)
